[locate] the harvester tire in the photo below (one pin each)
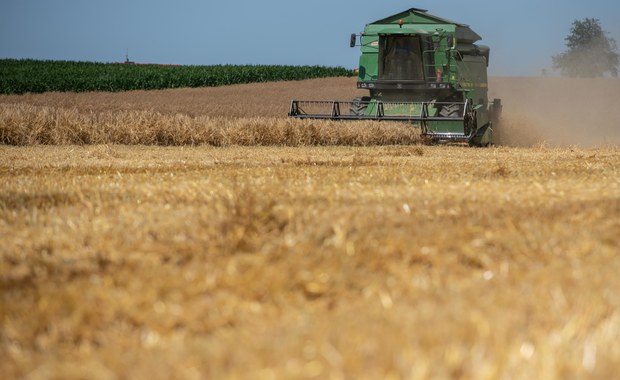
(359, 105)
(450, 110)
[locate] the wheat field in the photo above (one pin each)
(338, 253)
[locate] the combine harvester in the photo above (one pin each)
(420, 69)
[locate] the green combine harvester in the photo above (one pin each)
(421, 69)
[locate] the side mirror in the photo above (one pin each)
(353, 40)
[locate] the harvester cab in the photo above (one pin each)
(421, 69)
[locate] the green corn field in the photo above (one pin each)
(22, 76)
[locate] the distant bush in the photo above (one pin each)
(21, 76)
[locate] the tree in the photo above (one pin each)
(590, 52)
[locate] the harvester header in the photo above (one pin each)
(421, 69)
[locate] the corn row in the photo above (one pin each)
(22, 76)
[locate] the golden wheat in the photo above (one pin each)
(23, 124)
(326, 262)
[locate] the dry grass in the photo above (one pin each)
(325, 262)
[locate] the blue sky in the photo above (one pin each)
(523, 35)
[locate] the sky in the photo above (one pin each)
(523, 35)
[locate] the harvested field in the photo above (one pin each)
(267, 100)
(303, 258)
(409, 262)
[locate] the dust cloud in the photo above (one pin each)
(558, 111)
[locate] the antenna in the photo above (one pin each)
(127, 56)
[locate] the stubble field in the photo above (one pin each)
(286, 249)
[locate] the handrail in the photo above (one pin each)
(413, 111)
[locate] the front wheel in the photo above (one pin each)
(359, 105)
